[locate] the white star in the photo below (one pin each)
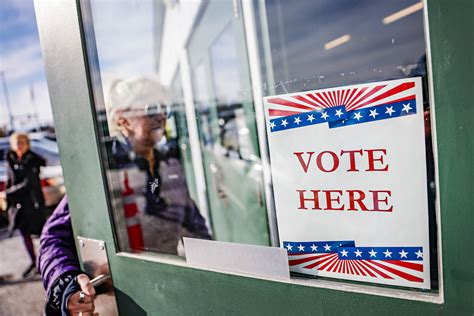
(311, 118)
(389, 110)
(419, 254)
(358, 253)
(327, 247)
(314, 248)
(272, 125)
(324, 115)
(297, 120)
(301, 247)
(373, 113)
(284, 123)
(387, 254)
(289, 247)
(403, 254)
(372, 253)
(339, 113)
(357, 116)
(344, 253)
(407, 107)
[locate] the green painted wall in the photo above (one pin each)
(145, 287)
(452, 46)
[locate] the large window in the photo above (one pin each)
(174, 94)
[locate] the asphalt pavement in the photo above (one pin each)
(18, 296)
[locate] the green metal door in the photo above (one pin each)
(150, 284)
(226, 123)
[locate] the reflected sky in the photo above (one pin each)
(22, 64)
(124, 37)
(225, 68)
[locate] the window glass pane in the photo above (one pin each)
(180, 135)
(312, 45)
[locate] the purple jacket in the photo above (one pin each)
(58, 255)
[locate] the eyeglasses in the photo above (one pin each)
(153, 110)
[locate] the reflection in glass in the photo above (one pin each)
(337, 43)
(146, 156)
(303, 45)
(233, 131)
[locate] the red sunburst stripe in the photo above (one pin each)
(328, 98)
(340, 266)
(408, 265)
(376, 270)
(366, 96)
(345, 93)
(350, 267)
(289, 103)
(334, 258)
(401, 274)
(273, 112)
(324, 103)
(339, 97)
(356, 269)
(312, 97)
(364, 269)
(323, 97)
(334, 98)
(317, 263)
(303, 99)
(400, 88)
(294, 262)
(333, 264)
(356, 96)
(350, 96)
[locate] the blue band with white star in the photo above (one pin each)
(337, 116)
(381, 253)
(377, 113)
(308, 118)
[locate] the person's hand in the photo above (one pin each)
(86, 308)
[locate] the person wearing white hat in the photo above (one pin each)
(137, 110)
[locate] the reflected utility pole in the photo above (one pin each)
(7, 99)
(35, 108)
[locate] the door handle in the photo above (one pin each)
(259, 194)
(218, 181)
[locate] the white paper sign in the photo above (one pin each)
(349, 175)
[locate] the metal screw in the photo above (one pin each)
(102, 246)
(81, 243)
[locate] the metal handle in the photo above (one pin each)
(217, 180)
(100, 279)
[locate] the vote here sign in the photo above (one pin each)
(349, 175)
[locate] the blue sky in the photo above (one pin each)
(21, 62)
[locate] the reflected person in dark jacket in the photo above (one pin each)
(138, 114)
(24, 196)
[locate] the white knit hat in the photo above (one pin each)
(135, 92)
